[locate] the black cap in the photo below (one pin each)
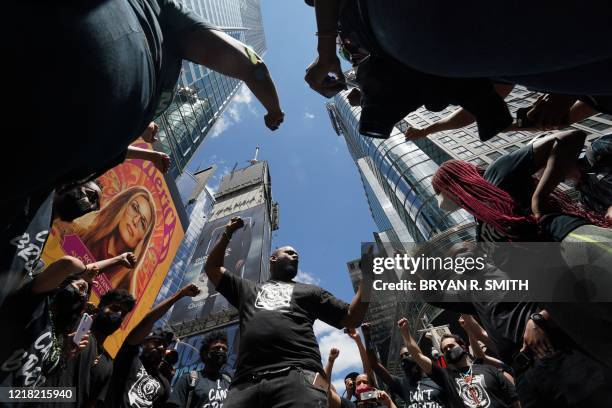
(351, 375)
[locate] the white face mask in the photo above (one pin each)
(446, 204)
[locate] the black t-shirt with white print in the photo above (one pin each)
(132, 386)
(26, 347)
(425, 393)
(276, 321)
(207, 393)
(481, 385)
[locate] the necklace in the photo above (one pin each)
(472, 391)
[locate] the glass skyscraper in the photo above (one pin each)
(396, 176)
(202, 94)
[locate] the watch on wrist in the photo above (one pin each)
(538, 319)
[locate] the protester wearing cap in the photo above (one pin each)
(137, 381)
(346, 399)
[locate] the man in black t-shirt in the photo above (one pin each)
(278, 357)
(208, 387)
(136, 381)
(467, 382)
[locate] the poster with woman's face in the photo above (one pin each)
(136, 214)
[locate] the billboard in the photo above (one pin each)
(189, 352)
(246, 256)
(137, 214)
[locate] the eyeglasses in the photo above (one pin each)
(135, 211)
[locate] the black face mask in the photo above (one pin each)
(107, 323)
(454, 355)
(68, 303)
(408, 365)
(216, 359)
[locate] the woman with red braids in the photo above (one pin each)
(511, 205)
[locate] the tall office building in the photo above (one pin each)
(202, 94)
(396, 176)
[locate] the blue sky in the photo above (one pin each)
(323, 210)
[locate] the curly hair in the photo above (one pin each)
(211, 339)
(120, 296)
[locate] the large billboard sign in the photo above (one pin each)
(246, 256)
(137, 214)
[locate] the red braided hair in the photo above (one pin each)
(494, 206)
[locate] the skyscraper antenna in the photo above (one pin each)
(254, 159)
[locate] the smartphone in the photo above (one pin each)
(84, 326)
(368, 395)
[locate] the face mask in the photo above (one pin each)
(454, 355)
(445, 204)
(408, 365)
(217, 358)
(107, 323)
(68, 304)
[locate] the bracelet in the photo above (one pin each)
(327, 34)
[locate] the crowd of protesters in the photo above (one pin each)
(114, 66)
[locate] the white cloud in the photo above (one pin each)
(305, 277)
(220, 126)
(243, 99)
(348, 359)
(309, 115)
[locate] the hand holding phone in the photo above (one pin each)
(84, 326)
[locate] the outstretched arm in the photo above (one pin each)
(138, 333)
(413, 348)
(373, 361)
(556, 153)
(359, 304)
(56, 272)
(214, 263)
(228, 56)
(333, 355)
(367, 369)
(159, 159)
(471, 326)
(456, 120)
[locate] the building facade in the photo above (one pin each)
(246, 193)
(202, 94)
